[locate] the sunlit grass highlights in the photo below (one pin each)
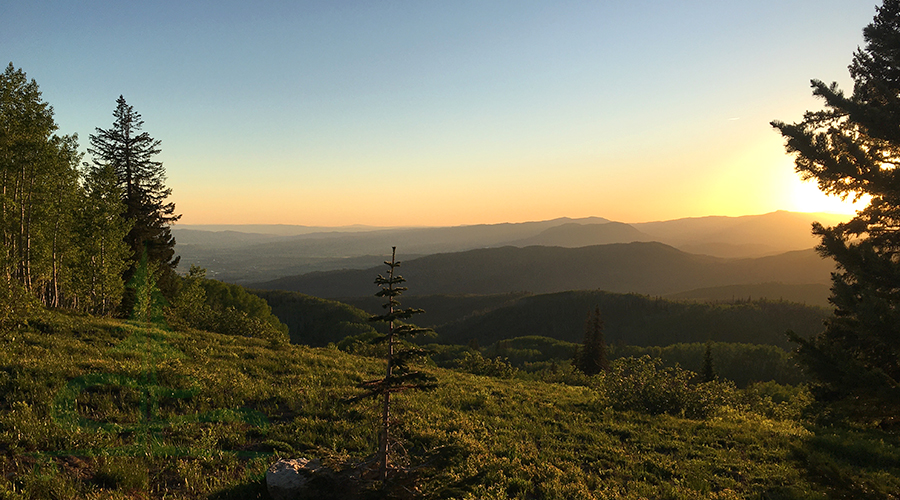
(479, 436)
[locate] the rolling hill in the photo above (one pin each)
(641, 267)
(574, 235)
(629, 319)
(748, 236)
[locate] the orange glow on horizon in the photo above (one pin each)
(756, 179)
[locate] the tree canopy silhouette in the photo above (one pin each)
(593, 357)
(852, 148)
(131, 153)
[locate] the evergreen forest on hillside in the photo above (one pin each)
(125, 376)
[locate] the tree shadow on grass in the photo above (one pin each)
(255, 490)
(846, 463)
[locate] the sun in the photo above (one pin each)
(806, 197)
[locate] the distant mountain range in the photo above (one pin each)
(650, 268)
(256, 253)
(735, 237)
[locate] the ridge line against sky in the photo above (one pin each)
(449, 113)
(823, 217)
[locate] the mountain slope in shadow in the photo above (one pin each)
(641, 267)
(814, 294)
(248, 254)
(631, 319)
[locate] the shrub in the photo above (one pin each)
(362, 344)
(16, 305)
(781, 402)
(474, 362)
(644, 384)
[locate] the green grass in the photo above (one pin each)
(94, 408)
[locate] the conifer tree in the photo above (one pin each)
(852, 148)
(709, 370)
(399, 376)
(592, 359)
(131, 152)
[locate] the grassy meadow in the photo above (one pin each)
(105, 409)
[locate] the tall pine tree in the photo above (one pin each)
(130, 152)
(851, 148)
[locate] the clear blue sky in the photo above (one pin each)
(450, 112)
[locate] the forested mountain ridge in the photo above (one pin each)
(629, 319)
(313, 321)
(640, 267)
(814, 294)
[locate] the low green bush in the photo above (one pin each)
(473, 362)
(644, 384)
(777, 401)
(16, 305)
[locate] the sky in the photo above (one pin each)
(389, 113)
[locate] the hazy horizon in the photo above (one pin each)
(434, 114)
(832, 215)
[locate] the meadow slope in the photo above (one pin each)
(97, 408)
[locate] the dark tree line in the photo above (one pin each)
(73, 234)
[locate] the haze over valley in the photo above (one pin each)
(257, 253)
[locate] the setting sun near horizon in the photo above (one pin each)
(807, 197)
